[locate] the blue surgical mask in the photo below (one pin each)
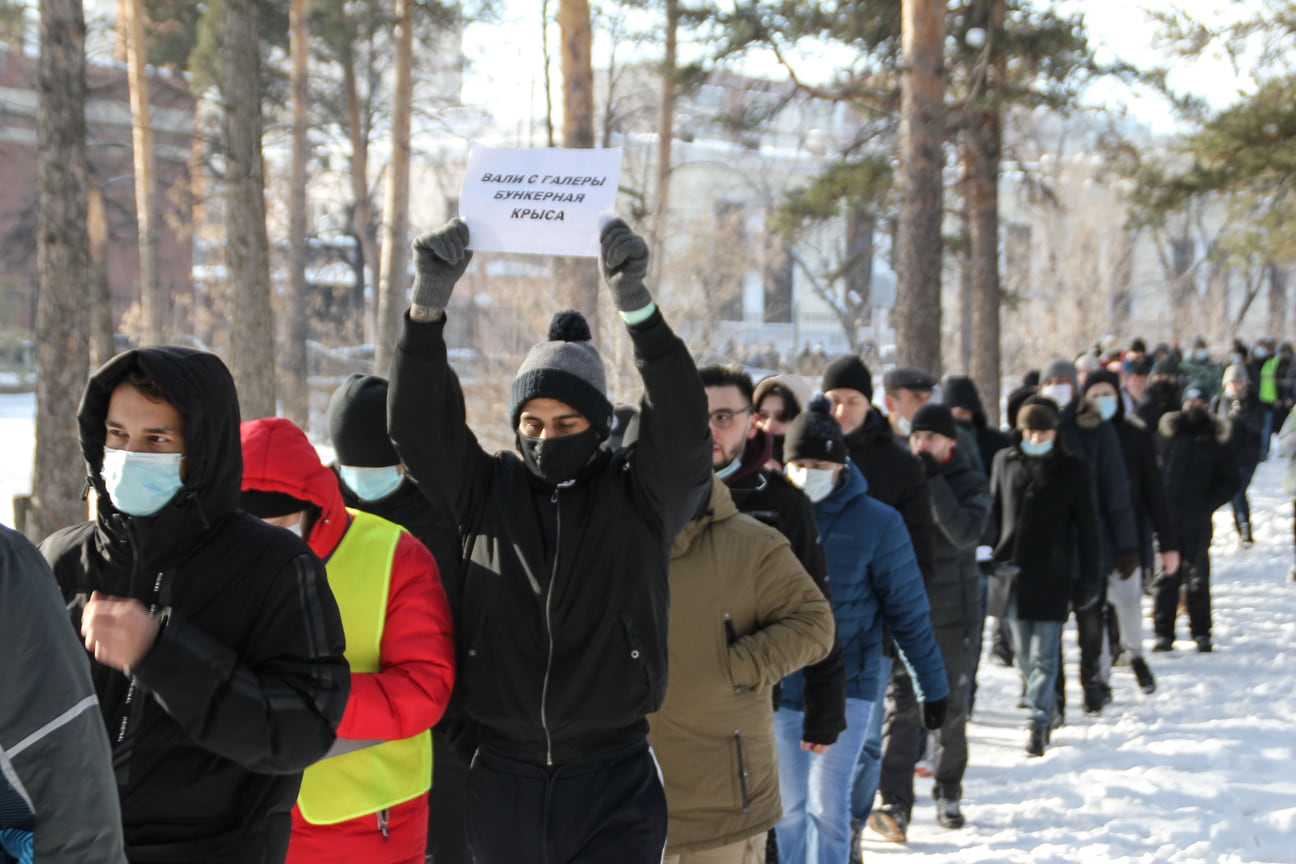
(1261, 353)
(816, 483)
(371, 484)
(729, 470)
(1031, 448)
(1106, 406)
(141, 484)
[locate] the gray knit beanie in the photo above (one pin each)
(566, 368)
(1059, 368)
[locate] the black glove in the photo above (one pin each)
(623, 262)
(440, 258)
(932, 466)
(934, 714)
(1127, 562)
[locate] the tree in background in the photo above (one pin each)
(153, 303)
(580, 276)
(296, 395)
(63, 255)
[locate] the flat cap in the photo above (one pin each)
(908, 378)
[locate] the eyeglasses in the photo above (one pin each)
(724, 418)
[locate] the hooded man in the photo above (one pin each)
(563, 615)
(1085, 433)
(1246, 415)
(1162, 394)
(960, 496)
(399, 644)
(217, 643)
(372, 479)
(58, 801)
(959, 392)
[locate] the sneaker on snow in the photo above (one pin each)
(1095, 699)
(1244, 530)
(1204, 645)
(948, 813)
(1143, 675)
(889, 821)
(1163, 643)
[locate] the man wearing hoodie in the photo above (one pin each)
(1091, 438)
(875, 580)
(563, 614)
(744, 613)
(1162, 394)
(217, 643)
(960, 496)
(373, 480)
(368, 800)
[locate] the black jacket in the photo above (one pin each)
(1147, 487)
(1198, 466)
(769, 497)
(563, 614)
(246, 682)
(1091, 438)
(1246, 417)
(1158, 401)
(960, 496)
(1043, 509)
(896, 478)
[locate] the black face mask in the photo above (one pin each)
(1163, 391)
(557, 460)
(777, 453)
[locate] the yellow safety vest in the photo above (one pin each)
(365, 781)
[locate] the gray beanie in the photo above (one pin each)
(1059, 368)
(566, 368)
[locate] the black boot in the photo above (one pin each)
(1143, 675)
(1035, 743)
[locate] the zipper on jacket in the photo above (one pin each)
(384, 817)
(553, 574)
(742, 769)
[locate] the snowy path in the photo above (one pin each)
(1201, 772)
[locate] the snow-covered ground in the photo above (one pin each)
(1201, 771)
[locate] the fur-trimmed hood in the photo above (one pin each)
(1175, 424)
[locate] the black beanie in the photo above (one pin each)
(357, 418)
(934, 417)
(1102, 376)
(1166, 366)
(849, 372)
(566, 368)
(1038, 413)
(814, 434)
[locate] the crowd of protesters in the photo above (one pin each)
(426, 651)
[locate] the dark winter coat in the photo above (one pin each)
(896, 478)
(1197, 463)
(1246, 417)
(246, 682)
(1088, 436)
(1157, 402)
(960, 496)
(63, 770)
(1147, 487)
(1043, 509)
(875, 580)
(770, 498)
(563, 614)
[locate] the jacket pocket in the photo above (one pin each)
(743, 796)
(634, 654)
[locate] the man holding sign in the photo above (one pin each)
(561, 621)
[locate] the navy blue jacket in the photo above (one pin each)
(875, 579)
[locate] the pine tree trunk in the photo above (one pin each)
(580, 276)
(362, 217)
(296, 395)
(394, 288)
(918, 237)
(152, 301)
(63, 267)
(665, 133)
(103, 329)
(252, 343)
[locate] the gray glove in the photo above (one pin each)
(440, 258)
(624, 263)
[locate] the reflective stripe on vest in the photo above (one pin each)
(1269, 381)
(365, 781)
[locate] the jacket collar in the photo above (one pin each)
(720, 507)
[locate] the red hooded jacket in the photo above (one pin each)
(417, 655)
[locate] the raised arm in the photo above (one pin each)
(425, 406)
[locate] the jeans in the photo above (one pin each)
(1037, 646)
(816, 788)
(1241, 506)
(868, 769)
(1267, 433)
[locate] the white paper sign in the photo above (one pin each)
(546, 201)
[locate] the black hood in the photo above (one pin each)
(201, 388)
(958, 391)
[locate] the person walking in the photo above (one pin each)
(58, 799)
(744, 613)
(1042, 515)
(217, 643)
(1200, 476)
(875, 581)
(563, 614)
(1246, 417)
(367, 800)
